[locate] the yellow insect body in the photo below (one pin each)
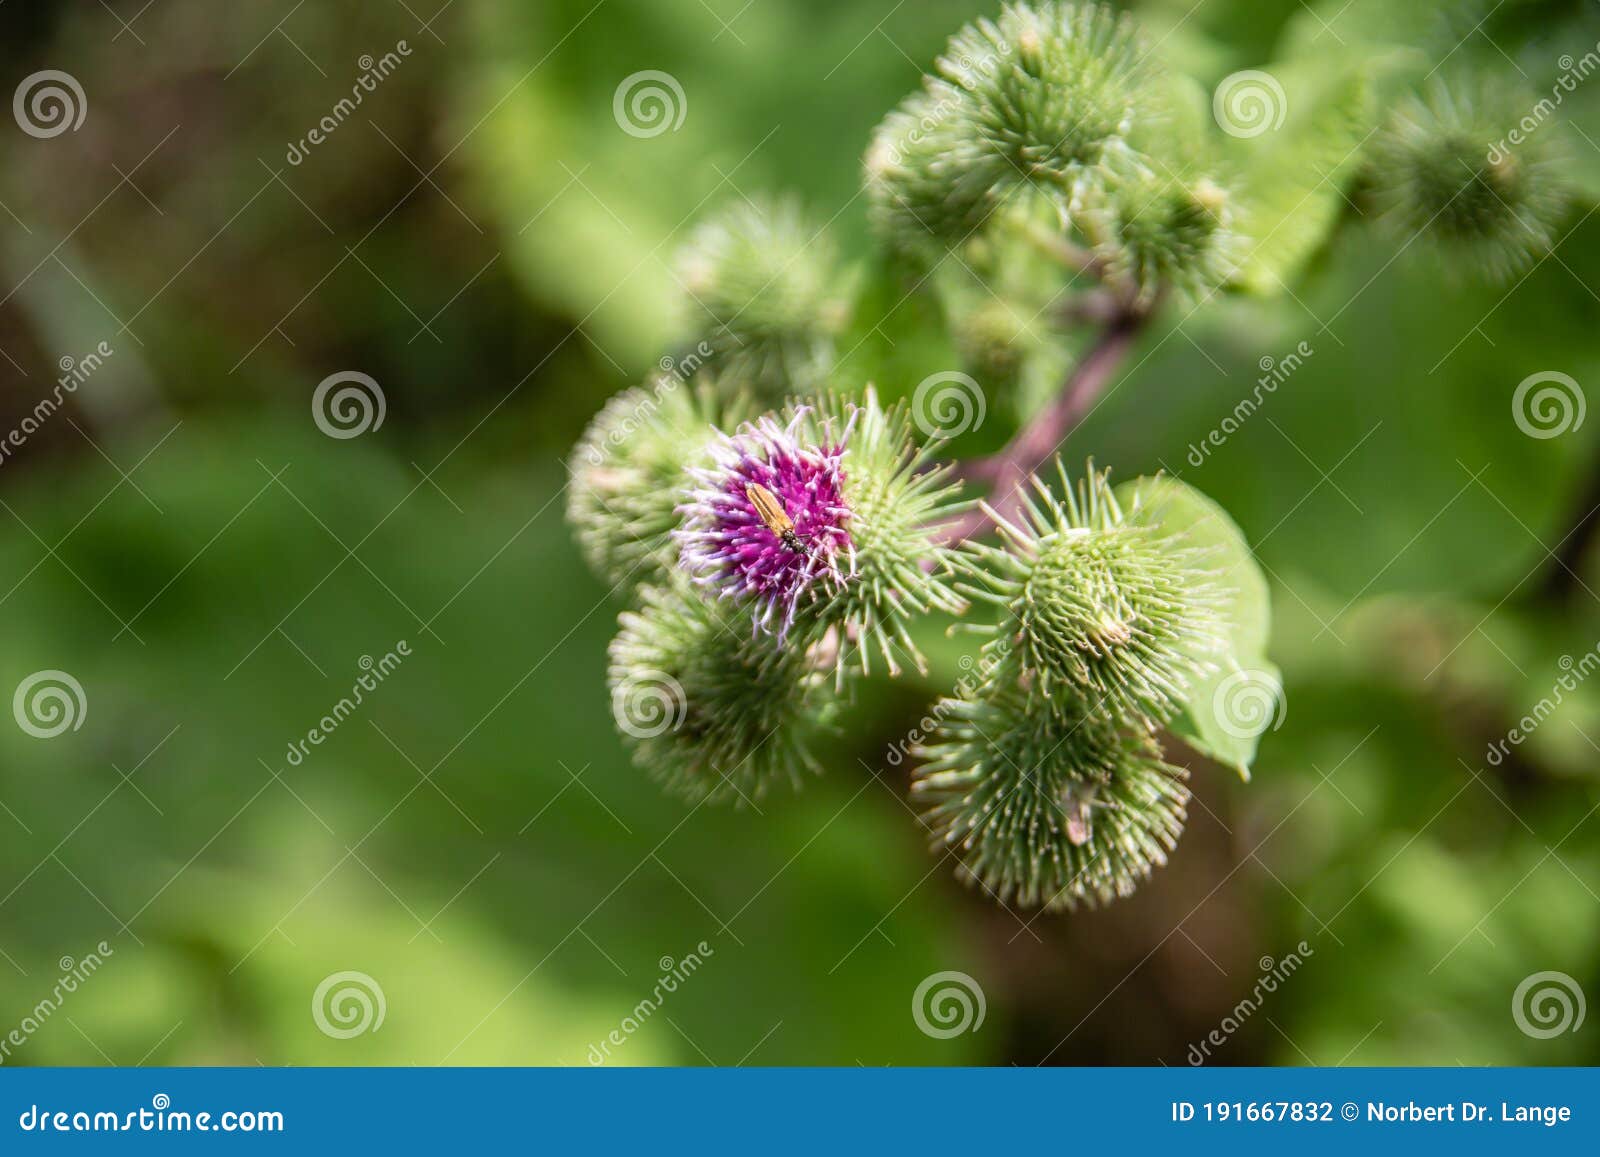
(773, 516)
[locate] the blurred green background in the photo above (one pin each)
(482, 239)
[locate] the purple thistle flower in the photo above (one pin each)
(728, 546)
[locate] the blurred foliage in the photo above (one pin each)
(482, 239)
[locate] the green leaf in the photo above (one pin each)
(1227, 712)
(1291, 179)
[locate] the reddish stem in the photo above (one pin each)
(1044, 433)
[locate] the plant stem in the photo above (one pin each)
(1044, 433)
(1058, 248)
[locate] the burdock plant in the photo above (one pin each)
(804, 514)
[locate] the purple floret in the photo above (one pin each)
(727, 547)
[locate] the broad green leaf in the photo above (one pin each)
(1313, 119)
(1228, 711)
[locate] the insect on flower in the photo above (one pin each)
(774, 517)
(1077, 806)
(765, 518)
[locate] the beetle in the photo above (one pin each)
(774, 517)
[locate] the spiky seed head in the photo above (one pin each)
(1444, 169)
(627, 475)
(1055, 87)
(1046, 808)
(898, 496)
(865, 501)
(1038, 103)
(1165, 234)
(709, 711)
(1097, 609)
(763, 287)
(928, 176)
(734, 549)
